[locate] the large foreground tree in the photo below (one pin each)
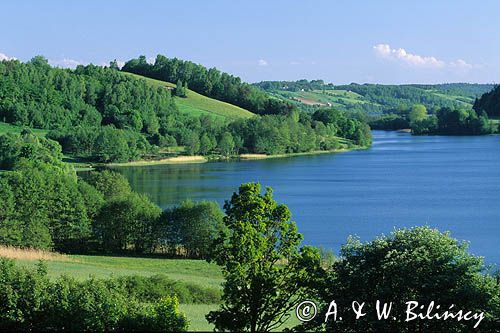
(265, 270)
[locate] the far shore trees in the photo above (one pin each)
(418, 113)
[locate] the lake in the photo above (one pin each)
(451, 183)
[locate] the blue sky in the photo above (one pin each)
(338, 41)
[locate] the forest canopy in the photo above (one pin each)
(104, 115)
(489, 102)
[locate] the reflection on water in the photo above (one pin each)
(452, 183)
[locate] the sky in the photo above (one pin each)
(388, 42)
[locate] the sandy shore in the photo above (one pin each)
(169, 160)
(202, 159)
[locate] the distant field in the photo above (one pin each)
(343, 98)
(197, 104)
(467, 101)
(334, 98)
(9, 128)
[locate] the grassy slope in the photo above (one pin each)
(198, 104)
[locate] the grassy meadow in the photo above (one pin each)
(197, 104)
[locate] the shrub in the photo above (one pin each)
(30, 301)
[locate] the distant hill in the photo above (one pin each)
(197, 104)
(374, 98)
(209, 82)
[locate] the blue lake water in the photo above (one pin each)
(451, 183)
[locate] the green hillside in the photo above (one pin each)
(373, 98)
(197, 104)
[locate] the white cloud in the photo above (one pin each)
(462, 64)
(65, 63)
(263, 62)
(6, 57)
(386, 52)
(294, 62)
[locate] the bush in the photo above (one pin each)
(158, 286)
(30, 301)
(419, 264)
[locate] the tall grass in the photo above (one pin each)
(31, 254)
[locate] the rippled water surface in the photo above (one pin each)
(452, 183)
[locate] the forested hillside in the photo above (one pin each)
(104, 115)
(489, 102)
(197, 104)
(374, 98)
(209, 82)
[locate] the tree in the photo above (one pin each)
(111, 184)
(419, 264)
(128, 221)
(418, 113)
(193, 144)
(180, 89)
(114, 65)
(489, 102)
(111, 145)
(265, 271)
(206, 144)
(10, 228)
(193, 226)
(93, 199)
(226, 144)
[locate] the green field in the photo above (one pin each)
(197, 104)
(192, 271)
(465, 100)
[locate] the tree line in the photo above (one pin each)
(46, 206)
(489, 102)
(380, 98)
(103, 115)
(444, 121)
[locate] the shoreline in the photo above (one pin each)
(167, 160)
(250, 157)
(197, 159)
